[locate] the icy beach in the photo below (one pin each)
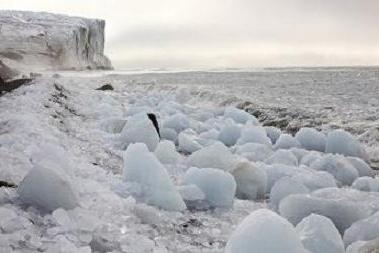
(263, 161)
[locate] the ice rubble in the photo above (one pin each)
(166, 152)
(264, 231)
(154, 184)
(319, 235)
(218, 186)
(253, 134)
(286, 141)
(140, 129)
(342, 206)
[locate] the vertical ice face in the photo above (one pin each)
(51, 41)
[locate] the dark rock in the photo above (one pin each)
(14, 84)
(154, 120)
(106, 87)
(7, 184)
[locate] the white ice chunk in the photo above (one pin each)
(273, 133)
(239, 116)
(229, 134)
(169, 134)
(309, 158)
(285, 187)
(143, 168)
(299, 153)
(251, 180)
(314, 179)
(282, 156)
(311, 139)
(139, 128)
(264, 231)
(166, 152)
(364, 246)
(342, 142)
(216, 155)
(367, 184)
(275, 172)
(253, 134)
(188, 142)
(191, 192)
(338, 166)
(319, 235)
(48, 189)
(361, 166)
(178, 122)
(254, 151)
(218, 186)
(363, 230)
(286, 141)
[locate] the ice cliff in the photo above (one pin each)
(51, 41)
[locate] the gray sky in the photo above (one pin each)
(229, 33)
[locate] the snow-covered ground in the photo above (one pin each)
(84, 186)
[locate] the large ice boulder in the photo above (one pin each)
(319, 235)
(41, 40)
(264, 231)
(338, 166)
(239, 116)
(48, 188)
(253, 134)
(283, 188)
(311, 139)
(342, 206)
(216, 155)
(367, 184)
(342, 142)
(229, 134)
(286, 141)
(218, 186)
(178, 122)
(150, 177)
(139, 128)
(282, 156)
(363, 230)
(251, 180)
(166, 152)
(361, 166)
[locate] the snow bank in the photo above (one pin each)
(143, 168)
(264, 231)
(311, 139)
(319, 235)
(218, 186)
(139, 128)
(251, 180)
(48, 189)
(342, 142)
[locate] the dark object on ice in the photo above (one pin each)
(7, 184)
(6, 72)
(154, 120)
(106, 87)
(12, 85)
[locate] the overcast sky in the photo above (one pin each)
(229, 33)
